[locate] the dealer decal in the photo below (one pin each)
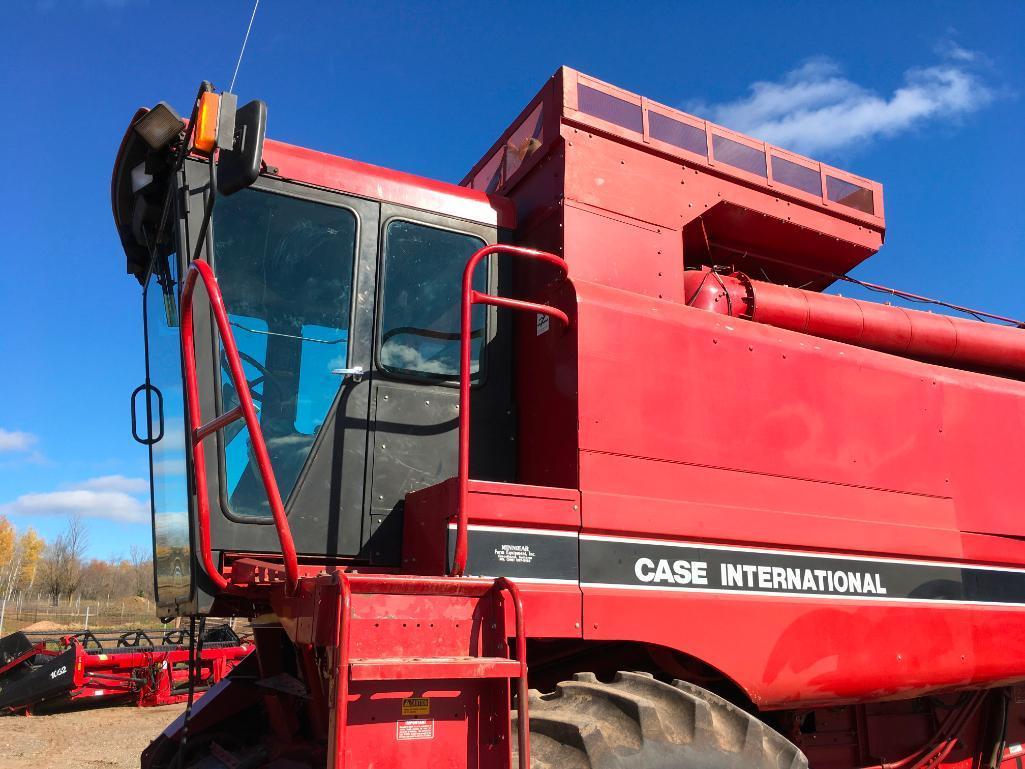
(529, 555)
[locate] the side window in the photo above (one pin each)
(171, 559)
(285, 267)
(423, 273)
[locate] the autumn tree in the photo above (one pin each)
(32, 547)
(10, 560)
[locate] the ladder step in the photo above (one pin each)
(403, 668)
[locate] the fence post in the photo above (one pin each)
(3, 610)
(87, 616)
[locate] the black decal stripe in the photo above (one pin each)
(667, 565)
(561, 557)
(524, 554)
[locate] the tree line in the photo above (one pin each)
(59, 570)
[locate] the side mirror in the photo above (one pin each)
(239, 166)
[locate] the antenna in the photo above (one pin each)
(245, 40)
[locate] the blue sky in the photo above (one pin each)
(929, 103)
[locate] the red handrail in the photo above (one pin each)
(199, 269)
(470, 298)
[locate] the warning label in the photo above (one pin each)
(416, 706)
(415, 729)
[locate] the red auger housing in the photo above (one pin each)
(584, 424)
(941, 339)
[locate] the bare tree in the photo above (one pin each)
(140, 569)
(62, 561)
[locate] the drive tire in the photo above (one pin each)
(637, 722)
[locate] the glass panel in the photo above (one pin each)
(423, 273)
(796, 176)
(524, 141)
(848, 194)
(738, 155)
(489, 178)
(682, 135)
(609, 108)
(251, 340)
(285, 267)
(172, 558)
(324, 350)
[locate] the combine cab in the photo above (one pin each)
(586, 425)
(40, 674)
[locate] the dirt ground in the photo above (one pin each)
(105, 738)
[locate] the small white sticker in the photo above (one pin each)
(415, 729)
(1014, 750)
(543, 323)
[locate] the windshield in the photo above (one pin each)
(285, 267)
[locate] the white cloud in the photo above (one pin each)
(15, 440)
(111, 505)
(816, 108)
(402, 356)
(167, 468)
(114, 483)
(108, 496)
(948, 49)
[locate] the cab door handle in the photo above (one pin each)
(356, 372)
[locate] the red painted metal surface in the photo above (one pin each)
(444, 670)
(340, 702)
(199, 269)
(951, 341)
(471, 297)
(364, 180)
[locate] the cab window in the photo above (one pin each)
(285, 267)
(423, 272)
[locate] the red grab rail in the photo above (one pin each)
(199, 269)
(470, 298)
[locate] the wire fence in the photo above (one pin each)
(40, 613)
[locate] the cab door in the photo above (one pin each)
(296, 267)
(414, 408)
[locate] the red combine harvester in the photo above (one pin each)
(41, 674)
(721, 518)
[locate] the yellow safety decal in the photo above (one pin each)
(416, 706)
